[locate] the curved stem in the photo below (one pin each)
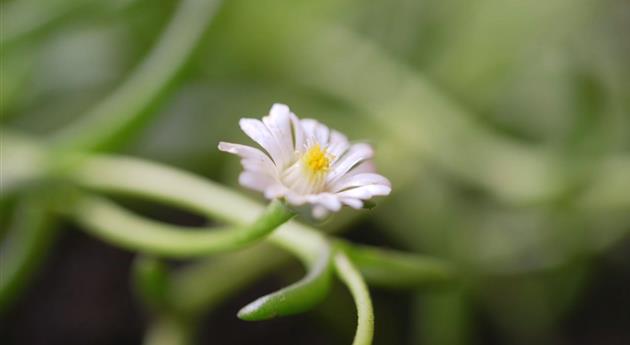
(129, 106)
(298, 297)
(112, 223)
(135, 177)
(351, 277)
(201, 286)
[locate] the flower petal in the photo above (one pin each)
(328, 200)
(315, 131)
(320, 212)
(358, 180)
(298, 134)
(365, 192)
(363, 167)
(355, 155)
(294, 198)
(252, 158)
(352, 202)
(337, 145)
(279, 125)
(275, 190)
(255, 166)
(256, 181)
(257, 130)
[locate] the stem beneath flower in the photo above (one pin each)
(135, 177)
(300, 296)
(106, 220)
(352, 278)
(139, 178)
(199, 287)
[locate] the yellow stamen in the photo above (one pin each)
(316, 159)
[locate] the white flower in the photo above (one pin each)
(306, 162)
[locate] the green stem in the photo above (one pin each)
(151, 282)
(125, 110)
(167, 330)
(22, 161)
(201, 286)
(135, 177)
(395, 269)
(24, 248)
(300, 296)
(138, 178)
(443, 317)
(106, 220)
(352, 278)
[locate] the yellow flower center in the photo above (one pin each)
(316, 159)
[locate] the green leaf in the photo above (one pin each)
(295, 298)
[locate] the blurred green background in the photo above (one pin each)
(504, 126)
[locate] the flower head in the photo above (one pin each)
(306, 162)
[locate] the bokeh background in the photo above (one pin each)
(504, 126)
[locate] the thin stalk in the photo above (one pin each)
(352, 278)
(139, 178)
(129, 106)
(302, 295)
(148, 180)
(199, 287)
(24, 247)
(106, 220)
(396, 269)
(151, 282)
